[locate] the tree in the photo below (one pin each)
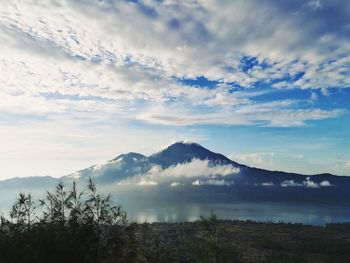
(213, 249)
(23, 210)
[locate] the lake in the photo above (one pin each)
(153, 204)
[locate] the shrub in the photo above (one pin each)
(67, 226)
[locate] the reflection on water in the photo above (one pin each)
(176, 206)
(275, 212)
(152, 206)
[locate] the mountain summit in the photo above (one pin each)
(183, 151)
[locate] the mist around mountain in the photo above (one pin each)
(183, 164)
(186, 173)
(186, 163)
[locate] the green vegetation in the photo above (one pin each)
(72, 226)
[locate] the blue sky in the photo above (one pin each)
(264, 82)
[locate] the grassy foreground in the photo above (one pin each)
(71, 226)
(245, 241)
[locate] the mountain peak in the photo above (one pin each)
(185, 151)
(187, 142)
(180, 146)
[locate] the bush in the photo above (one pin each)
(67, 226)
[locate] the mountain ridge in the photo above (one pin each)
(185, 155)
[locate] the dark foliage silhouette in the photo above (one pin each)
(67, 226)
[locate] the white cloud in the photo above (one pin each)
(147, 183)
(291, 183)
(184, 173)
(196, 182)
(310, 184)
(216, 182)
(306, 183)
(326, 184)
(274, 114)
(195, 168)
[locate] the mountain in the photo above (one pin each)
(129, 165)
(189, 167)
(25, 183)
(191, 159)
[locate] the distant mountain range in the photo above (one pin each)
(190, 166)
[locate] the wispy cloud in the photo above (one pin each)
(84, 57)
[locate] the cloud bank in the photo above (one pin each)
(196, 172)
(89, 57)
(307, 183)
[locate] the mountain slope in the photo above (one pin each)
(119, 168)
(24, 183)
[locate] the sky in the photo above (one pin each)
(265, 82)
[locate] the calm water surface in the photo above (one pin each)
(286, 212)
(159, 207)
(180, 207)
